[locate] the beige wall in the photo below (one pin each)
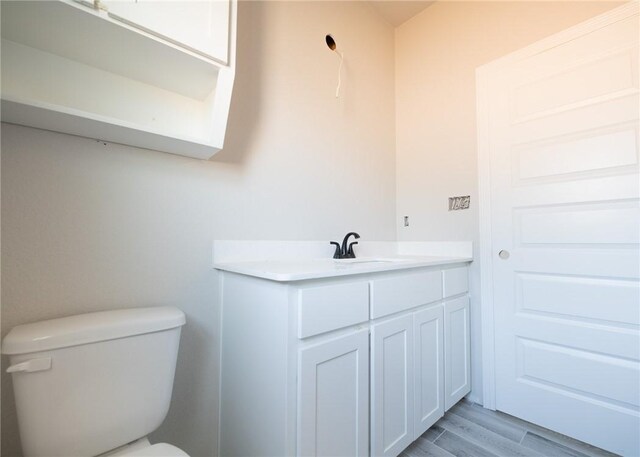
(437, 53)
(88, 226)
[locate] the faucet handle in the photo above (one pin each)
(350, 253)
(336, 254)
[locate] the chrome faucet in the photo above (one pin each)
(346, 250)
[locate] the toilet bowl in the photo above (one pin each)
(95, 384)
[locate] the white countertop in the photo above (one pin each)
(298, 270)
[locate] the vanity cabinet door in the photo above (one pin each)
(457, 362)
(428, 328)
(333, 397)
(200, 26)
(392, 384)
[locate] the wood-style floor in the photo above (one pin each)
(469, 430)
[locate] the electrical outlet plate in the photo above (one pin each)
(456, 203)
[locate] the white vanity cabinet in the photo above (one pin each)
(356, 365)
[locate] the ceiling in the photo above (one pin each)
(397, 12)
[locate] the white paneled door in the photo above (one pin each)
(561, 130)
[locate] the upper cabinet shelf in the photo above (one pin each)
(151, 74)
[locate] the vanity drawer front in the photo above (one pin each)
(391, 295)
(326, 308)
(455, 281)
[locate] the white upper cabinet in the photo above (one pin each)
(200, 26)
(159, 77)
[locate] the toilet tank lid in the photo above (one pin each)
(90, 328)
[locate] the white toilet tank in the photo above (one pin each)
(90, 383)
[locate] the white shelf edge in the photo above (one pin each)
(72, 121)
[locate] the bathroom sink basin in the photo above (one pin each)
(367, 260)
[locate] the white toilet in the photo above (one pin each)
(95, 384)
